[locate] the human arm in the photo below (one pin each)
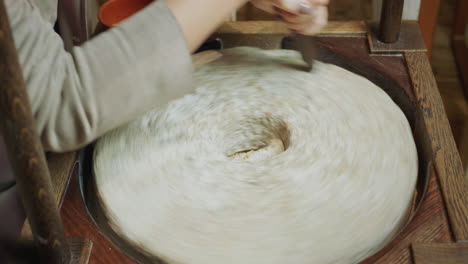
(113, 78)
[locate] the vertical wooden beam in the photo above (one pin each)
(459, 47)
(390, 20)
(428, 17)
(26, 154)
(411, 9)
(461, 18)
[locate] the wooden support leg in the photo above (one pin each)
(27, 157)
(80, 249)
(25, 152)
(391, 34)
(390, 20)
(428, 17)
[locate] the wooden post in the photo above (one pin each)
(390, 20)
(428, 16)
(26, 155)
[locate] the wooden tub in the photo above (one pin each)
(438, 230)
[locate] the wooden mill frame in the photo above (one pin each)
(437, 234)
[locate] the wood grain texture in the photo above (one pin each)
(60, 167)
(278, 27)
(410, 39)
(390, 20)
(199, 60)
(461, 18)
(460, 51)
(440, 253)
(447, 160)
(26, 154)
(268, 34)
(78, 224)
(80, 249)
(444, 66)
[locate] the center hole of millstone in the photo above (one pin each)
(257, 138)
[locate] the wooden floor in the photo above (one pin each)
(443, 62)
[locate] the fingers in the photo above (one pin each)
(291, 6)
(298, 6)
(307, 17)
(306, 24)
(293, 19)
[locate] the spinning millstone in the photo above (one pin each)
(263, 163)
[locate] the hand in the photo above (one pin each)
(307, 17)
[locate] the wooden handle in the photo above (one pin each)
(390, 20)
(25, 153)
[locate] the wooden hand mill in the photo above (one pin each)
(390, 53)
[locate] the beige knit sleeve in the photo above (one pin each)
(111, 79)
